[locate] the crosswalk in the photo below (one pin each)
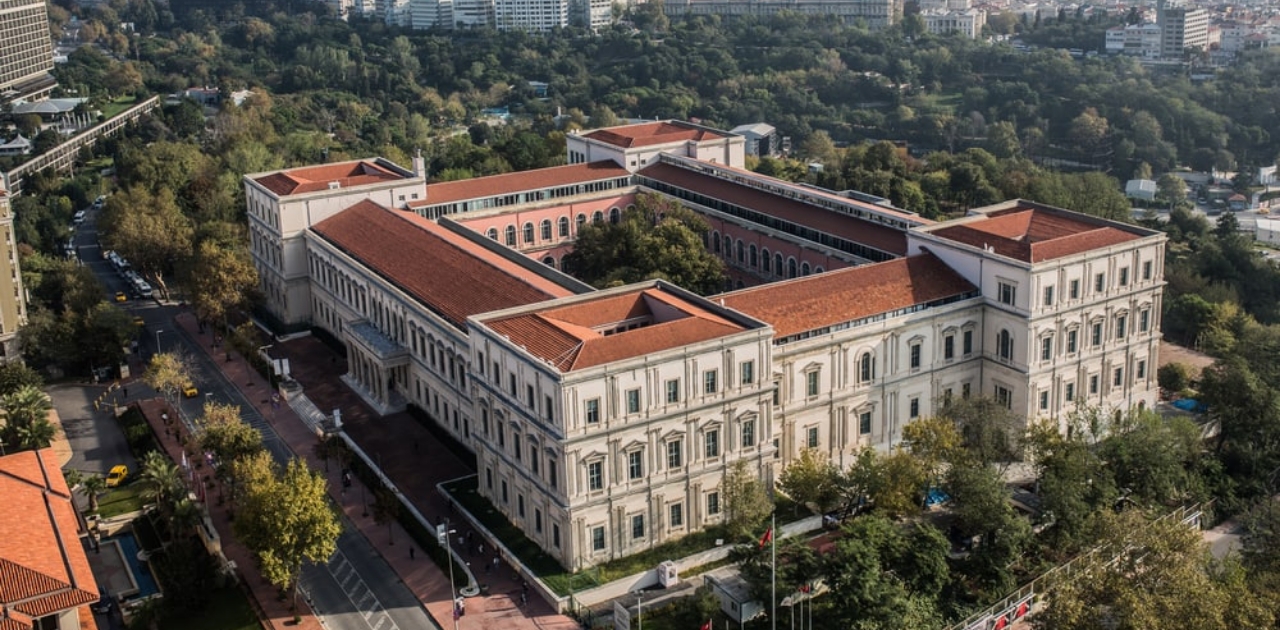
(361, 596)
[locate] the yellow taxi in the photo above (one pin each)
(138, 321)
(117, 475)
(189, 390)
(121, 297)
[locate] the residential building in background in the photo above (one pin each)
(967, 22)
(26, 51)
(875, 13)
(1182, 28)
(603, 421)
(13, 298)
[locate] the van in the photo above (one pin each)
(78, 217)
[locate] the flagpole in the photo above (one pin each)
(773, 573)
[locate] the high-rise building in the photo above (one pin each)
(1182, 28)
(13, 306)
(26, 50)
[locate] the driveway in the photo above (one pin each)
(97, 443)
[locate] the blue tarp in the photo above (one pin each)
(1190, 404)
(936, 497)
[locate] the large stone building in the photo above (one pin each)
(26, 50)
(875, 14)
(602, 421)
(13, 299)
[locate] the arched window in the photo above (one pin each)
(777, 265)
(866, 367)
(511, 236)
(493, 233)
(564, 227)
(817, 269)
(615, 215)
(582, 218)
(549, 261)
(630, 207)
(791, 267)
(546, 229)
(1004, 345)
(528, 232)
(741, 251)
(598, 217)
(804, 269)
(715, 242)
(752, 257)
(765, 260)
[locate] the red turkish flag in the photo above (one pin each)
(706, 626)
(768, 536)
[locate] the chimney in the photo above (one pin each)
(419, 165)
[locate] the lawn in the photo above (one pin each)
(120, 500)
(113, 109)
(228, 609)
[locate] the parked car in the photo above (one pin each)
(121, 297)
(190, 391)
(118, 474)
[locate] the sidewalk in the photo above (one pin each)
(170, 438)
(402, 455)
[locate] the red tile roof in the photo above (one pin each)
(511, 183)
(453, 276)
(569, 336)
(315, 178)
(881, 237)
(43, 568)
(646, 134)
(1035, 235)
(831, 298)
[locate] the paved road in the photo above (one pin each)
(355, 590)
(97, 443)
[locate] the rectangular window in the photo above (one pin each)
(1071, 392)
(1146, 270)
(595, 476)
(488, 478)
(864, 423)
(504, 491)
(967, 344)
(533, 458)
(1117, 378)
(1093, 384)
(915, 408)
(1124, 276)
(949, 347)
(964, 391)
(1008, 293)
(712, 444)
(1071, 341)
(537, 520)
(633, 401)
(497, 375)
(515, 443)
(710, 381)
(811, 383)
(593, 411)
(1048, 295)
(1075, 289)
(811, 437)
(1144, 320)
(635, 465)
(915, 356)
(549, 409)
(511, 384)
(748, 433)
(1142, 369)
(520, 505)
(673, 390)
(677, 515)
(713, 503)
(748, 372)
(551, 473)
(1004, 396)
(1097, 334)
(528, 395)
(1100, 283)
(1044, 401)
(1046, 348)
(555, 535)
(502, 435)
(1122, 326)
(637, 526)
(674, 459)
(597, 539)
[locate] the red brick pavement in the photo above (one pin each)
(401, 446)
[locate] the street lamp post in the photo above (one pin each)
(158, 331)
(640, 609)
(448, 548)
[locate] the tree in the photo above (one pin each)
(745, 502)
(884, 575)
(1074, 482)
(167, 373)
(149, 230)
(811, 480)
(901, 484)
(162, 481)
(990, 431)
(660, 238)
(228, 438)
(15, 376)
(93, 487)
(1171, 189)
(386, 508)
(286, 520)
(38, 434)
(933, 441)
(1174, 377)
(1149, 574)
(23, 410)
(222, 280)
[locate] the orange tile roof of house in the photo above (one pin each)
(814, 302)
(1035, 235)
(43, 568)
(316, 178)
(450, 274)
(573, 336)
(646, 134)
(850, 228)
(511, 183)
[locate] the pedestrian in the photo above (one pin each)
(496, 560)
(411, 552)
(470, 535)
(126, 391)
(480, 550)
(524, 598)
(524, 586)
(462, 541)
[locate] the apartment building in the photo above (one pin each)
(26, 50)
(1182, 28)
(875, 14)
(603, 421)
